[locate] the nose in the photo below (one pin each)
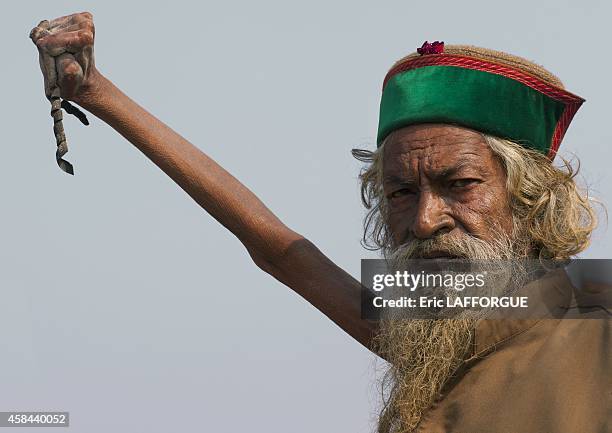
(432, 216)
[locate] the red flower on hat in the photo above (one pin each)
(436, 47)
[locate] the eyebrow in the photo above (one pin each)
(435, 174)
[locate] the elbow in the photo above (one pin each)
(278, 260)
(263, 261)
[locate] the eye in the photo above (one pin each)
(400, 193)
(463, 183)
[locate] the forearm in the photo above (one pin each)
(276, 249)
(212, 187)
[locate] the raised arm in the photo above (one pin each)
(275, 248)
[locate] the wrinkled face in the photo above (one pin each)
(443, 179)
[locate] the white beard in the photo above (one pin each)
(424, 353)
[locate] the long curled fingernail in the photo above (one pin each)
(71, 109)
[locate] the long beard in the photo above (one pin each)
(423, 354)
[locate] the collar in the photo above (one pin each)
(550, 295)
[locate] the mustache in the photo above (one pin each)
(465, 246)
(439, 245)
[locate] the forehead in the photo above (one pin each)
(434, 146)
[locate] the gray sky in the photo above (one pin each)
(127, 305)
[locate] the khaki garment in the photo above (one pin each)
(545, 375)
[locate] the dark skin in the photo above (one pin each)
(415, 153)
(443, 179)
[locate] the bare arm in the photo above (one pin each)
(276, 249)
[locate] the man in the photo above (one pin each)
(447, 180)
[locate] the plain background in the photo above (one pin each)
(126, 304)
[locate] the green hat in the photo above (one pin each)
(488, 91)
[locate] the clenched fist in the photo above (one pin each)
(66, 55)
